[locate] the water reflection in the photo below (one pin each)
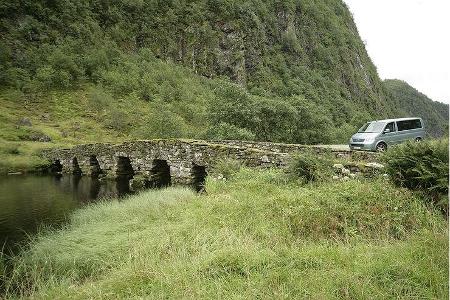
(27, 202)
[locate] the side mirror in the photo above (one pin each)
(387, 130)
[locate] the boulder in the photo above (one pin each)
(338, 166)
(40, 137)
(24, 122)
(374, 165)
(345, 171)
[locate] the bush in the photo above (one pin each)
(225, 131)
(98, 99)
(118, 120)
(309, 166)
(162, 124)
(421, 166)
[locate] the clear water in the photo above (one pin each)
(29, 202)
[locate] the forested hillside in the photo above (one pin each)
(288, 71)
(415, 103)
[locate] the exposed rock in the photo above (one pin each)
(25, 122)
(335, 177)
(40, 137)
(374, 165)
(353, 168)
(345, 171)
(15, 173)
(45, 117)
(338, 166)
(265, 159)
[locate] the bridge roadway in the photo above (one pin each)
(165, 162)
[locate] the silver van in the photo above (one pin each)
(378, 135)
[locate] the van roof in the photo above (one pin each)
(398, 119)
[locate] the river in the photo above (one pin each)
(28, 202)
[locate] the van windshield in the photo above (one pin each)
(372, 127)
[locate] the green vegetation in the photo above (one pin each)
(20, 157)
(286, 71)
(292, 71)
(253, 235)
(422, 166)
(414, 103)
(309, 167)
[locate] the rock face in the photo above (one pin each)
(40, 137)
(163, 162)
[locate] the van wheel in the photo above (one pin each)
(418, 139)
(381, 147)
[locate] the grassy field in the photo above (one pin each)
(256, 235)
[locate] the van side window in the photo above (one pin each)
(390, 126)
(417, 123)
(409, 124)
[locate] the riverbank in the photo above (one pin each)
(255, 235)
(21, 157)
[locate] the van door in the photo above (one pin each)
(403, 128)
(389, 133)
(409, 129)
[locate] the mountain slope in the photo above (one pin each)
(414, 103)
(287, 71)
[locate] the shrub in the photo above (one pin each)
(9, 149)
(118, 120)
(421, 166)
(309, 166)
(98, 99)
(225, 131)
(161, 124)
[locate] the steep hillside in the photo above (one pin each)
(289, 55)
(414, 103)
(287, 71)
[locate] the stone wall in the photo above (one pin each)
(337, 150)
(183, 157)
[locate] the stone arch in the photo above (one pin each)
(160, 174)
(124, 167)
(198, 177)
(76, 170)
(56, 166)
(95, 166)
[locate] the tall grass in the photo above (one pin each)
(253, 236)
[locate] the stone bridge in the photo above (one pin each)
(165, 162)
